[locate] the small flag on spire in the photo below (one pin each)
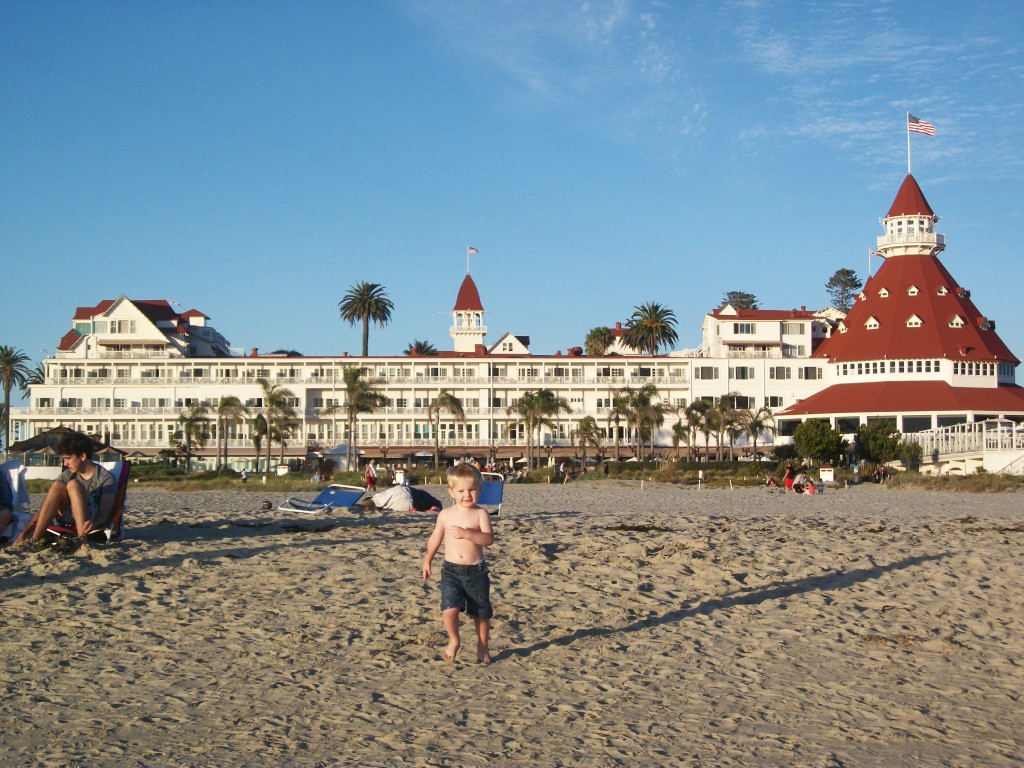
(915, 125)
(471, 250)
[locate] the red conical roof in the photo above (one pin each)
(469, 297)
(947, 323)
(910, 200)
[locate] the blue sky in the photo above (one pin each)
(254, 160)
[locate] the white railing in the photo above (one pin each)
(992, 435)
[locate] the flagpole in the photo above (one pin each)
(467, 258)
(907, 127)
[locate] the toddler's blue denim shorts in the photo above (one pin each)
(468, 588)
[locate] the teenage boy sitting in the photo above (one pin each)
(83, 495)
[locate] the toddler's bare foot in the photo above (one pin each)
(450, 651)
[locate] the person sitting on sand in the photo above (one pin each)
(6, 506)
(82, 497)
(465, 529)
(401, 498)
(789, 477)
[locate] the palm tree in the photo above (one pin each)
(421, 349)
(619, 410)
(277, 413)
(694, 418)
(525, 407)
(598, 341)
(444, 402)
(701, 414)
(680, 434)
(361, 396)
(548, 405)
(365, 302)
(647, 414)
(586, 433)
(230, 409)
(35, 376)
(14, 372)
(193, 434)
(756, 422)
(259, 431)
(651, 327)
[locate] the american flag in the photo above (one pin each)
(914, 125)
(471, 249)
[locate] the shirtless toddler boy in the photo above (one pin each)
(465, 529)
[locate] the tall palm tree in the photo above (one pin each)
(650, 328)
(694, 419)
(192, 434)
(277, 412)
(647, 414)
(361, 396)
(620, 409)
(365, 302)
(13, 373)
(548, 407)
(598, 341)
(421, 349)
(680, 434)
(525, 407)
(445, 402)
(259, 431)
(757, 422)
(586, 433)
(230, 409)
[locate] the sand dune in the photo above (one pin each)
(667, 626)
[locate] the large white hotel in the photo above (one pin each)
(914, 348)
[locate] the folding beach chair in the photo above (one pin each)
(331, 497)
(114, 530)
(13, 472)
(492, 492)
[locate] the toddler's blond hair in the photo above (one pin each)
(465, 472)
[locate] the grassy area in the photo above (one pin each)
(715, 475)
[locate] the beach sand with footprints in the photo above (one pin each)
(662, 626)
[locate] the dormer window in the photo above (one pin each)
(883, 293)
(942, 290)
(861, 296)
(912, 291)
(842, 327)
(914, 322)
(956, 322)
(871, 324)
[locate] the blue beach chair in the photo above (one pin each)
(492, 492)
(331, 497)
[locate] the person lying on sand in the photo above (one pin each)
(401, 498)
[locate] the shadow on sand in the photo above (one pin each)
(826, 582)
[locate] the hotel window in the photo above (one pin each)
(884, 293)
(773, 401)
(742, 328)
(779, 372)
(705, 372)
(792, 329)
(914, 322)
(942, 290)
(912, 291)
(83, 328)
(741, 373)
(810, 373)
(892, 366)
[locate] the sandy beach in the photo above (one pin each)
(668, 626)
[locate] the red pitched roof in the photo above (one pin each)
(68, 340)
(469, 297)
(938, 301)
(910, 200)
(87, 313)
(910, 397)
(765, 314)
